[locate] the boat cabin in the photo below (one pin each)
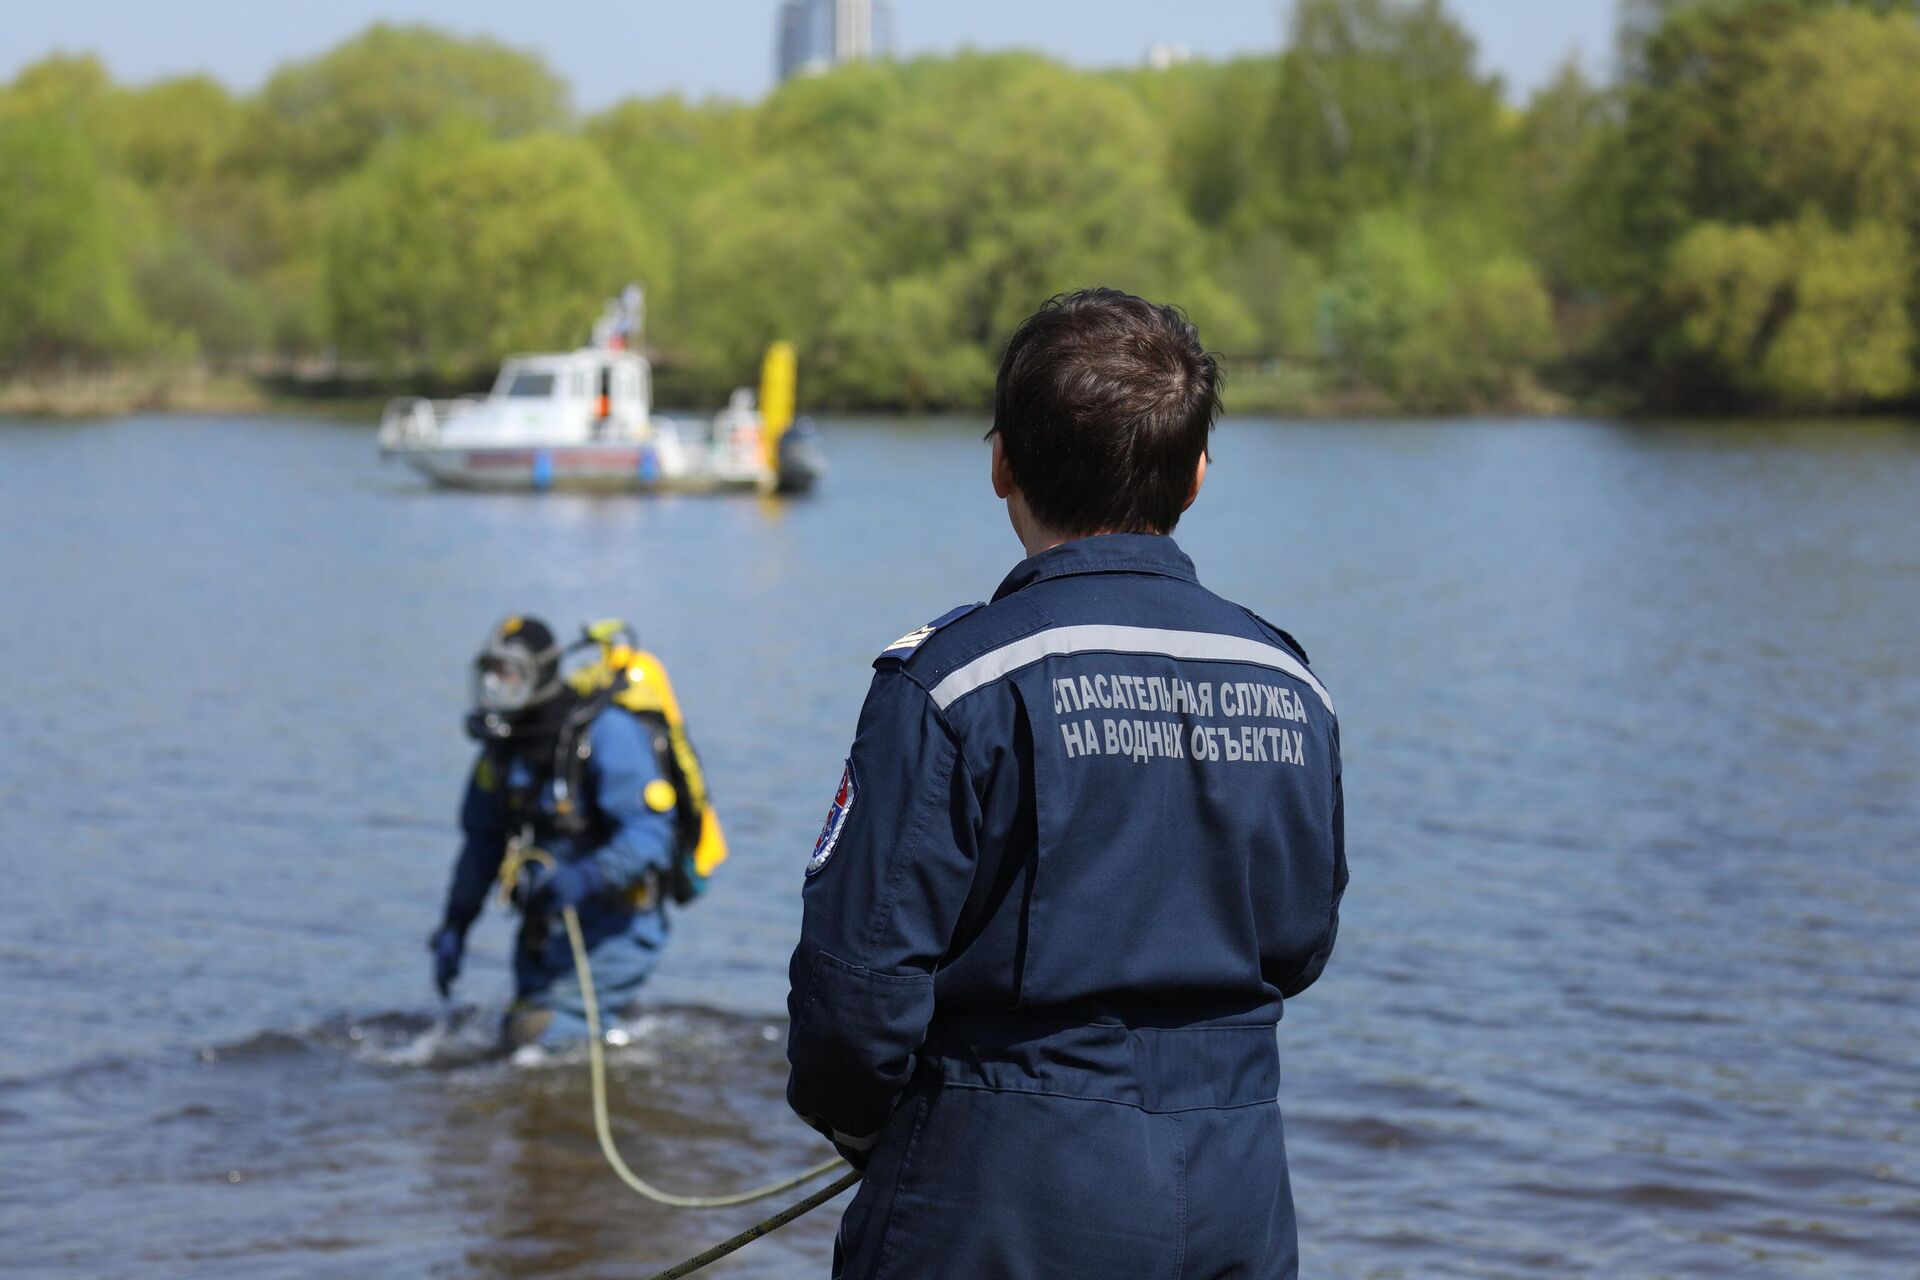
(590, 391)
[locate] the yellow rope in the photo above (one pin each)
(603, 1128)
(519, 854)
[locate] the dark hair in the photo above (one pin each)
(1103, 405)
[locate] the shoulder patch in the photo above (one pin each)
(836, 821)
(903, 648)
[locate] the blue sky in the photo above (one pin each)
(609, 49)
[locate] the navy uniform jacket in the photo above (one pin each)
(1088, 840)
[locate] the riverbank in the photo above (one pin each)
(112, 393)
(1285, 391)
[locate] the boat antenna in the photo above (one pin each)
(622, 326)
(633, 309)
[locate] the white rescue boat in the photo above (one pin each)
(583, 420)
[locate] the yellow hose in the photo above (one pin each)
(603, 1128)
(518, 855)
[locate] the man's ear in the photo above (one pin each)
(1003, 470)
(1199, 478)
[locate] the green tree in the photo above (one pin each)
(1214, 159)
(66, 290)
(1380, 105)
(1727, 283)
(1492, 335)
(192, 296)
(1757, 131)
(899, 335)
(1735, 219)
(749, 278)
(1833, 109)
(1404, 313)
(668, 154)
(1637, 23)
(172, 135)
(65, 90)
(1799, 314)
(316, 120)
(1278, 286)
(1692, 152)
(452, 249)
(1386, 285)
(984, 185)
(1566, 141)
(194, 273)
(1849, 336)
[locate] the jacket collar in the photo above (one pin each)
(1102, 553)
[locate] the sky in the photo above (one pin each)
(610, 49)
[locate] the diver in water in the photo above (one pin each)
(586, 795)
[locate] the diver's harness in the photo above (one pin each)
(630, 678)
(634, 680)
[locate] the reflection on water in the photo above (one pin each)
(1625, 979)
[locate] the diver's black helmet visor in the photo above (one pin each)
(517, 668)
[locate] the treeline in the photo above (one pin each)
(1362, 220)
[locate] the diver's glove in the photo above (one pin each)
(447, 946)
(551, 890)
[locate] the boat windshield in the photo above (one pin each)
(531, 385)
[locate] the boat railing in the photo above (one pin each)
(413, 422)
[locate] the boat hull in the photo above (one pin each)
(605, 468)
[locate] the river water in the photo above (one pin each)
(1626, 977)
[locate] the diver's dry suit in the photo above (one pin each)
(623, 851)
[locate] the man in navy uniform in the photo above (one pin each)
(1088, 841)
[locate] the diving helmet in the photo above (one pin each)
(516, 671)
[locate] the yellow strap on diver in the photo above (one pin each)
(519, 854)
(646, 690)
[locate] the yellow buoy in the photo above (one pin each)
(777, 373)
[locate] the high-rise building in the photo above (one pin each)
(1165, 55)
(818, 34)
